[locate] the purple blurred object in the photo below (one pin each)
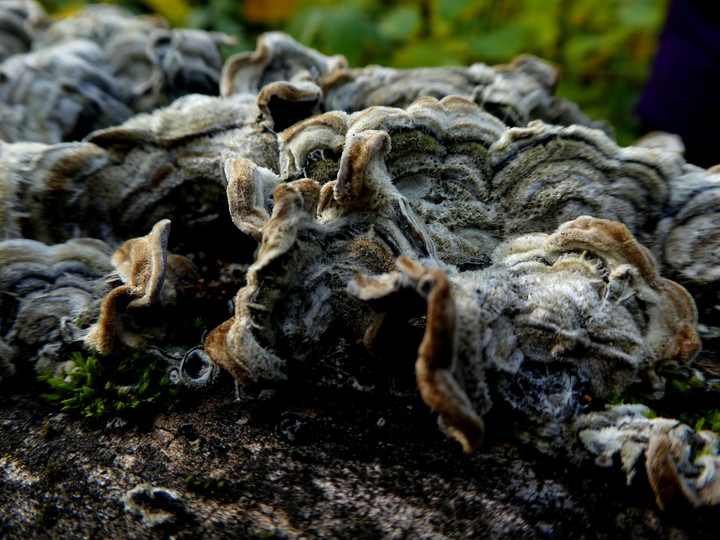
(682, 95)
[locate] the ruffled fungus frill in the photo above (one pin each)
(232, 345)
(554, 318)
(363, 224)
(682, 466)
(437, 358)
(278, 58)
(465, 174)
(143, 265)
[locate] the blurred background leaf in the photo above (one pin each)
(604, 48)
(401, 23)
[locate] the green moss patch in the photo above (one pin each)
(103, 387)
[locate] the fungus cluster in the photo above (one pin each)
(520, 257)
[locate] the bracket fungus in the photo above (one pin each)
(49, 295)
(543, 310)
(277, 58)
(521, 258)
(663, 447)
(516, 93)
(143, 266)
(21, 21)
(122, 180)
(96, 70)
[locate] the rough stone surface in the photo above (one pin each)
(296, 467)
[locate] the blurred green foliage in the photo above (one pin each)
(604, 48)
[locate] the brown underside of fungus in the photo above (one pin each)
(519, 258)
